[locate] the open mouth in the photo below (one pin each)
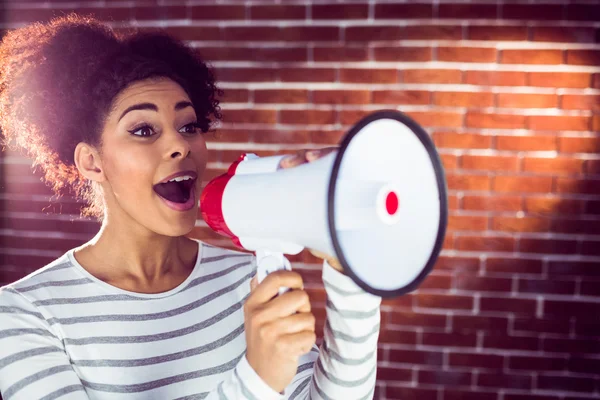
(176, 190)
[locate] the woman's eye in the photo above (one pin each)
(192, 128)
(143, 131)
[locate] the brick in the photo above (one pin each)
(468, 182)
(387, 335)
(513, 381)
(522, 184)
(403, 11)
(558, 122)
(532, 11)
(521, 100)
(560, 35)
(340, 53)
(454, 302)
(583, 57)
(236, 95)
(582, 12)
(574, 268)
(463, 99)
(309, 34)
(506, 304)
(474, 394)
(341, 97)
(484, 120)
(494, 202)
(432, 32)
(458, 264)
(583, 364)
(526, 143)
(547, 246)
(403, 54)
(576, 226)
(440, 377)
(545, 57)
(438, 119)
(232, 136)
(495, 78)
(252, 33)
(467, 54)
(568, 383)
(282, 136)
(545, 286)
(511, 396)
(469, 323)
(586, 328)
(158, 13)
(474, 360)
(351, 117)
(401, 97)
(373, 33)
(195, 32)
(307, 117)
(340, 11)
(490, 163)
(580, 102)
(596, 123)
(596, 81)
(592, 207)
(449, 339)
(482, 284)
(450, 161)
(394, 373)
(511, 266)
(106, 14)
(467, 223)
(485, 243)
(467, 11)
(579, 144)
(581, 346)
(497, 33)
(524, 224)
(218, 12)
(245, 74)
(591, 248)
(572, 308)
(415, 357)
(277, 12)
(250, 116)
(462, 140)
(436, 281)
(409, 393)
(431, 76)
(364, 75)
(328, 137)
(555, 166)
(532, 363)
(581, 186)
(410, 318)
(281, 96)
(401, 302)
(305, 74)
(560, 79)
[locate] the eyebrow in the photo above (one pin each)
(149, 106)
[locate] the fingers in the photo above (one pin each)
(299, 343)
(313, 155)
(269, 287)
(296, 323)
(253, 283)
(304, 156)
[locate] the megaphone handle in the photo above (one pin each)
(268, 262)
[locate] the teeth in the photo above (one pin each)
(181, 178)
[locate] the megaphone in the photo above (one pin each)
(378, 204)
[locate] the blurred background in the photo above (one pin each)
(510, 93)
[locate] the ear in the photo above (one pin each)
(88, 162)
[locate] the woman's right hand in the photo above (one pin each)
(279, 329)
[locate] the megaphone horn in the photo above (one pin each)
(378, 204)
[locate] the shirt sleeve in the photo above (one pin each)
(33, 361)
(347, 364)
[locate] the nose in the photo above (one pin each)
(179, 147)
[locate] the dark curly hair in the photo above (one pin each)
(58, 81)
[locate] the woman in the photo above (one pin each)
(141, 311)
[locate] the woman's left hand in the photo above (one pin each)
(303, 157)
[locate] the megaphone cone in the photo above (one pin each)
(378, 204)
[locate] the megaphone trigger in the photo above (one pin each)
(268, 262)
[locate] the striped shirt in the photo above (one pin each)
(66, 334)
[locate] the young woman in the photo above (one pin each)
(141, 311)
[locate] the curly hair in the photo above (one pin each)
(58, 81)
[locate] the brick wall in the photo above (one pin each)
(510, 92)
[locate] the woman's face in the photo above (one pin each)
(153, 157)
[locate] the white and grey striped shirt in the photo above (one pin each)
(66, 334)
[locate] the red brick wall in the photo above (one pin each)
(510, 92)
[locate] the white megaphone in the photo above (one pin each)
(378, 204)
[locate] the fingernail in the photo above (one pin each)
(312, 153)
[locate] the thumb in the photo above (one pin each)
(253, 283)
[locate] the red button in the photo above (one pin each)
(391, 203)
